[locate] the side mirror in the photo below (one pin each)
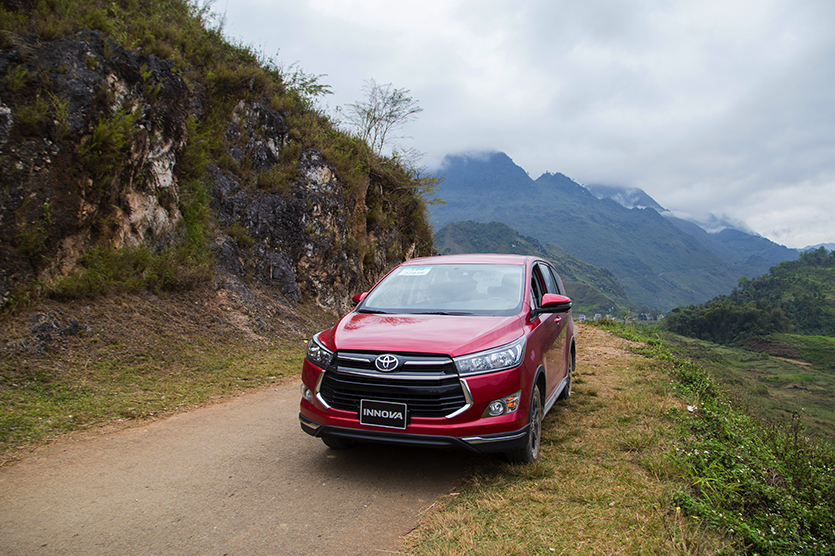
(359, 297)
(553, 303)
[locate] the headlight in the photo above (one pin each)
(318, 354)
(492, 360)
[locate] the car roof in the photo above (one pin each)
(473, 258)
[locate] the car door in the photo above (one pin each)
(555, 362)
(548, 330)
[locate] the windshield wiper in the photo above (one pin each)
(372, 312)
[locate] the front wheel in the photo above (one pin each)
(529, 453)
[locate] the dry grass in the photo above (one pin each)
(602, 485)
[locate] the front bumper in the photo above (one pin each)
(483, 444)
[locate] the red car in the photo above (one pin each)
(464, 351)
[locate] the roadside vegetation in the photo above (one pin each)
(649, 456)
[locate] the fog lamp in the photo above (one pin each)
(496, 408)
(307, 394)
(503, 406)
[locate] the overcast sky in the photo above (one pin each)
(723, 107)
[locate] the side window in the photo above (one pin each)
(557, 281)
(548, 279)
(537, 286)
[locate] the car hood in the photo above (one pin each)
(448, 334)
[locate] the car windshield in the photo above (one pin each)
(454, 289)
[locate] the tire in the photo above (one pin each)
(566, 392)
(530, 452)
(337, 443)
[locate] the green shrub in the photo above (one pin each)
(31, 119)
(104, 152)
(151, 90)
(238, 233)
(11, 21)
(32, 235)
(103, 271)
(195, 156)
(60, 109)
(16, 79)
(277, 179)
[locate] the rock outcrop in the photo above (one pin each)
(87, 152)
(93, 139)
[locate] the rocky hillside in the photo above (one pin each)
(139, 149)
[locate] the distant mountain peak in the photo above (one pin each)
(482, 172)
(827, 246)
(477, 157)
(547, 175)
(629, 197)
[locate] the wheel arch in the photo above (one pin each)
(541, 381)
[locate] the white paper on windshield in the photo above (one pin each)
(415, 271)
(489, 278)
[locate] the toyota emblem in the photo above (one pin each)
(386, 363)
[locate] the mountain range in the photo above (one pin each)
(661, 261)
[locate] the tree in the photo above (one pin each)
(383, 110)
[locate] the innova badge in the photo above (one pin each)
(386, 363)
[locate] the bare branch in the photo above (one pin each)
(384, 110)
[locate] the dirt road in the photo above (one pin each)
(238, 478)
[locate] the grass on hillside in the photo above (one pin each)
(797, 378)
(818, 351)
(390, 193)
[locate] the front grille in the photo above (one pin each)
(409, 363)
(428, 385)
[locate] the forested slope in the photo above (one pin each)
(795, 296)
